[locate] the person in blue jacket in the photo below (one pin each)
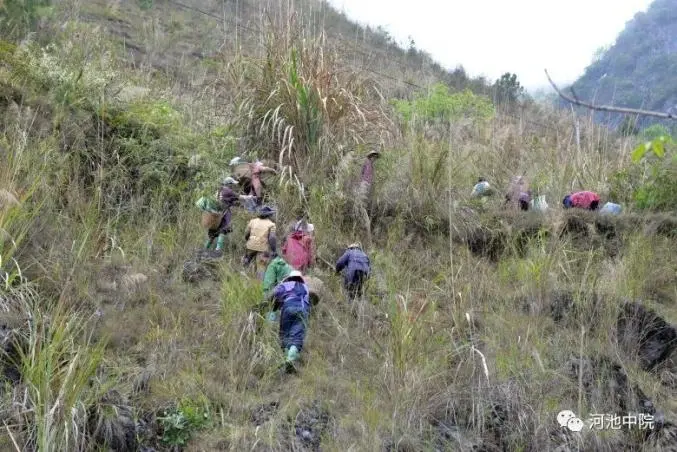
(292, 297)
(355, 265)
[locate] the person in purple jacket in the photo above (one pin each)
(355, 265)
(292, 297)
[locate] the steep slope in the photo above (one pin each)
(173, 36)
(638, 70)
(479, 323)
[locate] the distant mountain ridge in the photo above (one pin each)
(639, 69)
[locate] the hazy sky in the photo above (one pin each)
(491, 37)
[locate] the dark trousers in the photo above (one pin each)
(354, 284)
(249, 257)
(293, 322)
(223, 227)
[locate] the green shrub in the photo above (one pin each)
(440, 105)
(651, 182)
(659, 191)
(654, 131)
(179, 423)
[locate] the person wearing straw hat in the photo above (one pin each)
(364, 190)
(260, 236)
(356, 268)
(292, 298)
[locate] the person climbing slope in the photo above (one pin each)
(257, 185)
(481, 188)
(292, 298)
(519, 193)
(588, 200)
(226, 198)
(260, 237)
(356, 268)
(364, 191)
(276, 270)
(249, 178)
(298, 247)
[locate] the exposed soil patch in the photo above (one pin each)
(262, 413)
(643, 332)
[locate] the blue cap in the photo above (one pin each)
(567, 202)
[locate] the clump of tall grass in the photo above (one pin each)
(56, 360)
(299, 108)
(56, 368)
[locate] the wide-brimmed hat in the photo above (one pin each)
(266, 211)
(355, 245)
(294, 275)
(229, 181)
(374, 153)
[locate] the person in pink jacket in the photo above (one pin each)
(588, 200)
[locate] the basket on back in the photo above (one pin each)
(243, 171)
(211, 215)
(210, 220)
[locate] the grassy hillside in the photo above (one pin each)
(480, 324)
(636, 70)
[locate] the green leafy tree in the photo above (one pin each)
(507, 90)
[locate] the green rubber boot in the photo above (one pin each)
(292, 354)
(208, 243)
(220, 241)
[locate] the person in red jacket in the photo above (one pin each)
(588, 200)
(363, 193)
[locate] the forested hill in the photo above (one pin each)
(638, 70)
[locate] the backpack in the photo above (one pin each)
(298, 295)
(297, 250)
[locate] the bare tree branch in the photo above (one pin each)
(574, 100)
